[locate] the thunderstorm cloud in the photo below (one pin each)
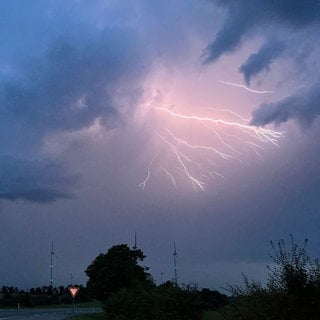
(291, 21)
(65, 86)
(261, 60)
(84, 65)
(245, 17)
(71, 73)
(38, 181)
(302, 107)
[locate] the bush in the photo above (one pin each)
(130, 304)
(167, 301)
(213, 299)
(173, 302)
(292, 290)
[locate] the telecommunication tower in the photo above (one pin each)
(51, 264)
(175, 264)
(135, 247)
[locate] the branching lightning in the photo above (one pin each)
(146, 180)
(170, 175)
(221, 154)
(197, 163)
(260, 133)
(196, 183)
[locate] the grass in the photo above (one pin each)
(212, 315)
(208, 315)
(92, 316)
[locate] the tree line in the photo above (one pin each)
(40, 296)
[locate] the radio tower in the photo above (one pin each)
(51, 265)
(135, 241)
(175, 264)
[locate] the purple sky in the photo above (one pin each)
(94, 146)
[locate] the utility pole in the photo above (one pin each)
(51, 265)
(175, 264)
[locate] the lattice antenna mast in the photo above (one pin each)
(175, 264)
(135, 247)
(51, 264)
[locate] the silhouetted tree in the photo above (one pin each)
(115, 270)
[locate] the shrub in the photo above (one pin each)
(292, 290)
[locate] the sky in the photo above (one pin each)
(186, 121)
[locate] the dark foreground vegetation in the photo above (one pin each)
(292, 291)
(127, 292)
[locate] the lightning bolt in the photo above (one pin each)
(261, 133)
(245, 87)
(186, 154)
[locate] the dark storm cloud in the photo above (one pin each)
(262, 17)
(303, 107)
(261, 60)
(74, 84)
(38, 181)
(242, 17)
(63, 81)
(71, 87)
(85, 63)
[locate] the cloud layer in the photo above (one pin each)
(302, 107)
(66, 86)
(262, 59)
(248, 17)
(290, 22)
(86, 64)
(37, 181)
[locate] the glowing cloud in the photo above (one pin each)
(179, 156)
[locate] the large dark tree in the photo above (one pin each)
(115, 270)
